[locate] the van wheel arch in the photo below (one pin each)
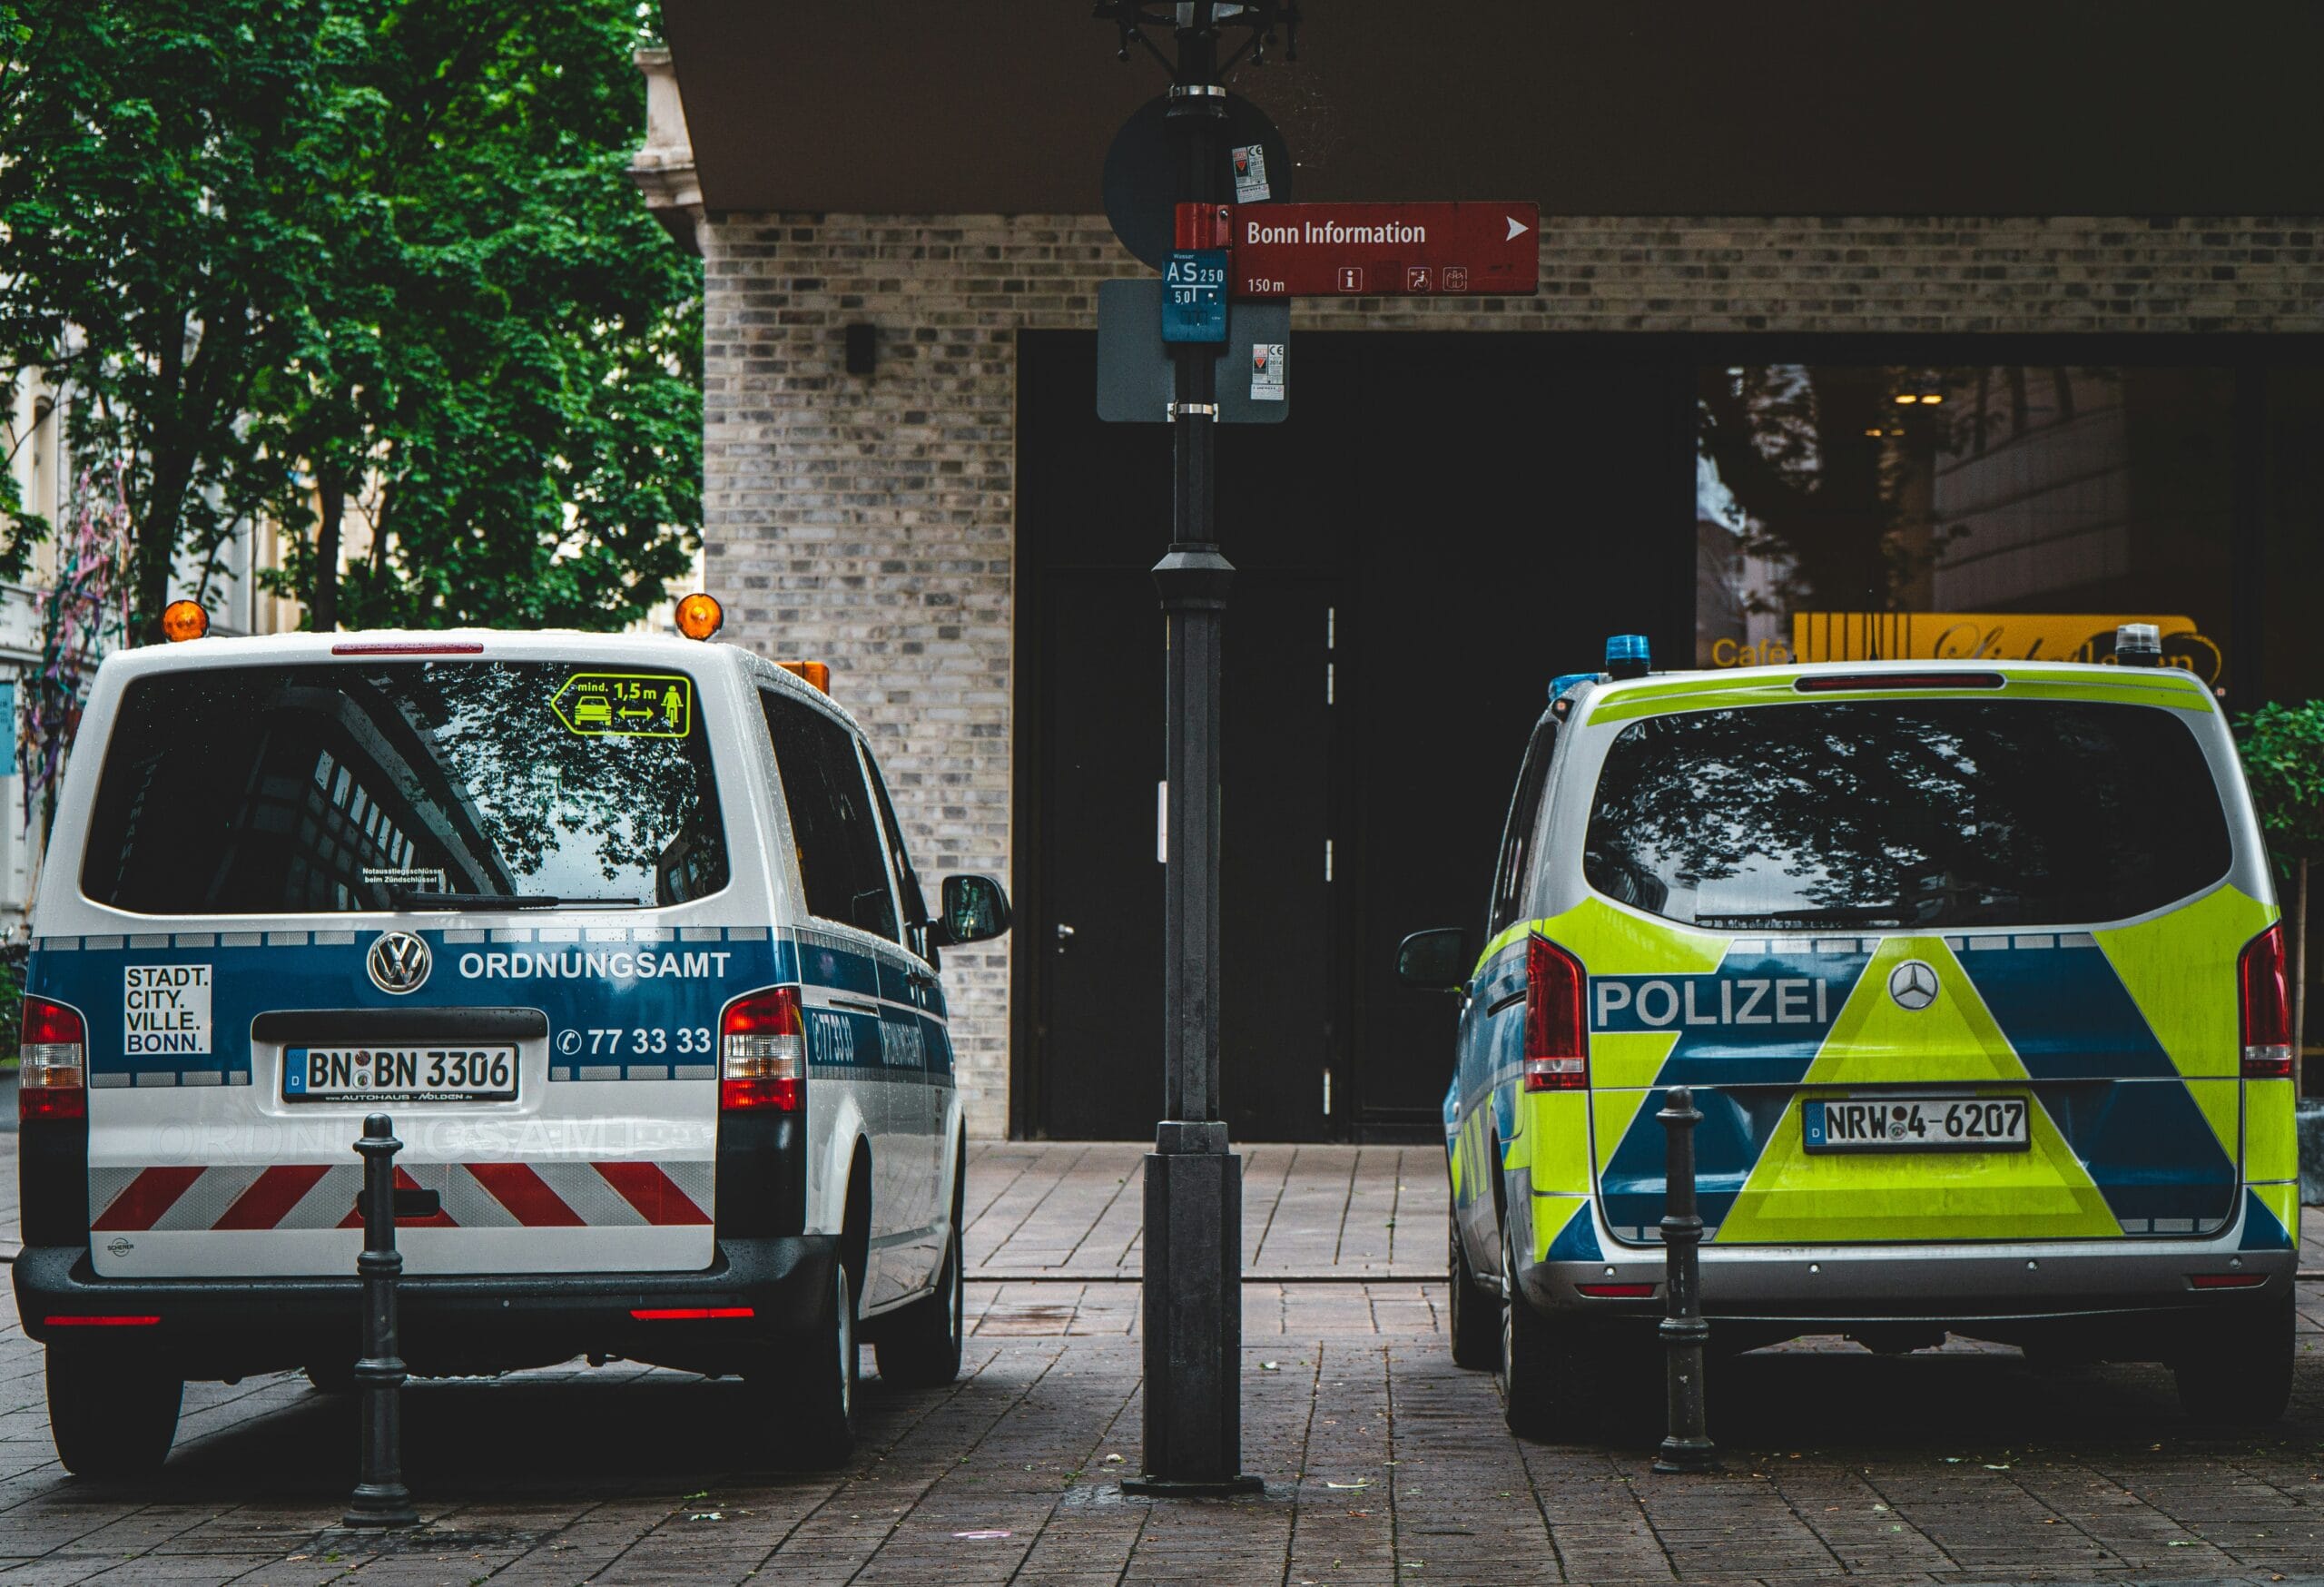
(855, 1220)
(1499, 1203)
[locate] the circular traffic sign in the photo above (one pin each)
(1141, 180)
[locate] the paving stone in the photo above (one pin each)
(1384, 1464)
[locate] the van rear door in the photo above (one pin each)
(340, 874)
(1956, 968)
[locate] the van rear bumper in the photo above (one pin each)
(448, 1324)
(2127, 1301)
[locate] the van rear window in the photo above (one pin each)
(1905, 813)
(292, 790)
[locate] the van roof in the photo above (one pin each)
(515, 644)
(1625, 699)
(303, 647)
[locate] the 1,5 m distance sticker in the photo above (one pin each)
(626, 704)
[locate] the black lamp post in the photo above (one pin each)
(1194, 1189)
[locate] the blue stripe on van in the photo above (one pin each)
(2067, 1015)
(2262, 1230)
(826, 962)
(574, 982)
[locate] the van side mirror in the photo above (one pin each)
(1438, 960)
(975, 911)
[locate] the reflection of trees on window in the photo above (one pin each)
(1831, 475)
(533, 788)
(1934, 812)
(1801, 456)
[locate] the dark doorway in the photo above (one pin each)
(1098, 927)
(1443, 525)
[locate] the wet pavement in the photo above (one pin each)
(1383, 1462)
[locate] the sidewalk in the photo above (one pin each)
(1040, 1209)
(1383, 1462)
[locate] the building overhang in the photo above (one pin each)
(663, 167)
(1786, 107)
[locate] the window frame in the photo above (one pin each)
(1513, 864)
(769, 692)
(75, 828)
(912, 909)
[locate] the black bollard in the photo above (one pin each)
(1688, 1446)
(380, 1499)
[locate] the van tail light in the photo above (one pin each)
(761, 1052)
(1557, 1047)
(52, 1074)
(2267, 1007)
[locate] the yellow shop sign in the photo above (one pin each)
(1971, 636)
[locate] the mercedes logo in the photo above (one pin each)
(398, 962)
(1913, 984)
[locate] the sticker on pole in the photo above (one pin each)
(626, 704)
(1267, 372)
(1251, 173)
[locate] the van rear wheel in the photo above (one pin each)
(110, 1416)
(919, 1347)
(2236, 1370)
(804, 1394)
(1475, 1319)
(1540, 1369)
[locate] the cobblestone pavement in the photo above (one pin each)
(1048, 1208)
(1384, 1464)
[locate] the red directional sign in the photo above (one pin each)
(1451, 250)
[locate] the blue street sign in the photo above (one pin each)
(1193, 296)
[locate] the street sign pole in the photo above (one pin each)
(1194, 1256)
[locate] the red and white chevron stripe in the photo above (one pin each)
(307, 1196)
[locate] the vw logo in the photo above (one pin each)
(1913, 984)
(398, 962)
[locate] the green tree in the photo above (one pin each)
(2283, 760)
(291, 252)
(513, 364)
(153, 161)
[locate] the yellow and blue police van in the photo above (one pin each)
(1974, 972)
(623, 934)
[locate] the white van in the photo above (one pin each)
(620, 931)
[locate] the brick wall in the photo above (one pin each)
(868, 522)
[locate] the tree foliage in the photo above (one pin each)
(283, 251)
(2283, 760)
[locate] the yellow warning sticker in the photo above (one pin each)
(626, 704)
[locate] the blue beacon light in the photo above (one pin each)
(1627, 656)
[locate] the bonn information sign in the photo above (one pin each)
(1435, 249)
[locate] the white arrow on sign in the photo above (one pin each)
(1517, 229)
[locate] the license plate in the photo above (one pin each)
(399, 1074)
(1906, 1124)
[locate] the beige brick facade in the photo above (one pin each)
(868, 520)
